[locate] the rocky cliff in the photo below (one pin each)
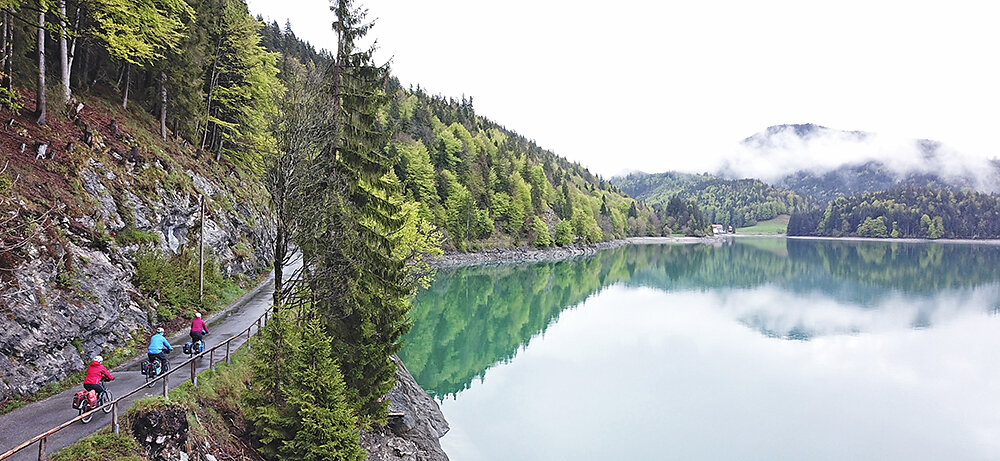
(68, 293)
(415, 425)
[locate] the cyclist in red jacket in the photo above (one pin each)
(96, 372)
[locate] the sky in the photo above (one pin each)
(667, 85)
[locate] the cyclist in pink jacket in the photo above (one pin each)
(198, 328)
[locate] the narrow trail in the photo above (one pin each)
(33, 419)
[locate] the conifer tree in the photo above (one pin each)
(298, 400)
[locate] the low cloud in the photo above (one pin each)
(783, 150)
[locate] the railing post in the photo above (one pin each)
(41, 449)
(194, 373)
(114, 417)
(211, 359)
(163, 379)
(248, 335)
(228, 361)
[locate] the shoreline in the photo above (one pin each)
(525, 255)
(501, 256)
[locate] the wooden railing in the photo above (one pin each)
(192, 363)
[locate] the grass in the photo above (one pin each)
(776, 226)
(102, 445)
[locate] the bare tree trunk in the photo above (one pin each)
(72, 46)
(163, 105)
(280, 249)
(8, 68)
(40, 93)
(63, 51)
(211, 88)
(3, 45)
(128, 80)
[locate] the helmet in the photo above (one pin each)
(159, 330)
(98, 359)
(197, 314)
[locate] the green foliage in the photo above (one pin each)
(297, 402)
(129, 235)
(138, 32)
(506, 180)
(172, 281)
(9, 101)
(564, 233)
(680, 217)
(914, 213)
(873, 228)
(243, 89)
(542, 237)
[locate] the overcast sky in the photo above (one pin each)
(669, 85)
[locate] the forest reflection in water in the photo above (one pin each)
(797, 289)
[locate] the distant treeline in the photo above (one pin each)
(730, 202)
(905, 213)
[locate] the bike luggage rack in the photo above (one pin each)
(40, 438)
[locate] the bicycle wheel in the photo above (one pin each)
(85, 407)
(106, 397)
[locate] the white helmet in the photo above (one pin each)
(98, 359)
(159, 330)
(197, 314)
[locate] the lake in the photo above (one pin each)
(748, 349)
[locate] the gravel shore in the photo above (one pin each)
(499, 256)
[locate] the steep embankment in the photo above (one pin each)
(97, 204)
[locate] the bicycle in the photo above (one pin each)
(195, 348)
(102, 400)
(151, 369)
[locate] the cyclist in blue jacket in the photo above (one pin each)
(158, 348)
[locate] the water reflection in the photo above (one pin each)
(473, 318)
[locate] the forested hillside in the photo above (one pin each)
(730, 202)
(905, 213)
(483, 185)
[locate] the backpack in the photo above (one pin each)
(187, 347)
(92, 397)
(145, 368)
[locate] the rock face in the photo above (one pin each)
(415, 425)
(162, 433)
(71, 297)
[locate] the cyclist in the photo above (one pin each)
(158, 348)
(198, 328)
(95, 374)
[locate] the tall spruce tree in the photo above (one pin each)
(361, 246)
(369, 320)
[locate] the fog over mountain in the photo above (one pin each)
(785, 154)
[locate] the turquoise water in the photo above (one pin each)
(750, 349)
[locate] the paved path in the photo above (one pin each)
(28, 421)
